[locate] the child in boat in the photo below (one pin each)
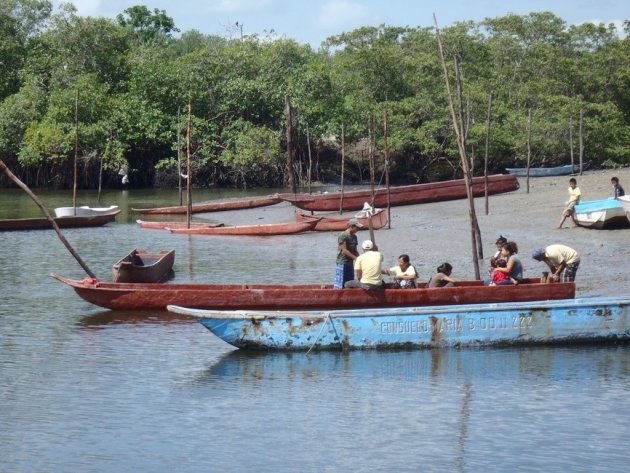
(574, 199)
(498, 276)
(443, 277)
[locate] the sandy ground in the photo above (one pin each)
(439, 232)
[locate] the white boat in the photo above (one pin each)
(625, 203)
(602, 213)
(84, 211)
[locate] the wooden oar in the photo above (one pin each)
(39, 203)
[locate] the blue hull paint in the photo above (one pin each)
(601, 213)
(544, 322)
(552, 171)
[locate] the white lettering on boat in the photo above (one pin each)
(521, 321)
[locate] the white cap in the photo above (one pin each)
(367, 245)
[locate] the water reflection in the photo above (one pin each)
(132, 317)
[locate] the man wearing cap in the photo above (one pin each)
(562, 260)
(346, 253)
(367, 268)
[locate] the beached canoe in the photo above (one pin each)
(337, 223)
(84, 211)
(302, 296)
(42, 223)
(601, 214)
(173, 225)
(402, 195)
(551, 171)
(142, 266)
(525, 323)
(267, 229)
(625, 203)
(215, 206)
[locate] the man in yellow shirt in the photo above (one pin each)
(562, 260)
(367, 269)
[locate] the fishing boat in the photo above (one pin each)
(267, 229)
(601, 214)
(551, 171)
(329, 223)
(142, 266)
(83, 211)
(173, 225)
(402, 195)
(119, 296)
(625, 203)
(214, 206)
(512, 323)
(42, 223)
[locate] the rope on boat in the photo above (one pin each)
(320, 333)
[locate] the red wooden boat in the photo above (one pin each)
(142, 266)
(42, 223)
(215, 206)
(173, 225)
(129, 296)
(403, 195)
(251, 230)
(329, 224)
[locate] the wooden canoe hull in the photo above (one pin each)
(42, 223)
(268, 229)
(403, 195)
(214, 206)
(570, 321)
(307, 296)
(329, 224)
(552, 171)
(142, 266)
(174, 225)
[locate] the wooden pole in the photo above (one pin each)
(485, 162)
(462, 154)
(343, 162)
(310, 158)
(371, 126)
(39, 203)
(179, 157)
(76, 152)
(571, 142)
(389, 215)
(529, 145)
(188, 168)
(581, 139)
(290, 168)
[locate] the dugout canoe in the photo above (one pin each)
(268, 229)
(571, 321)
(129, 296)
(83, 211)
(551, 171)
(142, 266)
(329, 224)
(215, 206)
(42, 223)
(403, 195)
(172, 225)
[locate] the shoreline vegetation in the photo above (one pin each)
(129, 97)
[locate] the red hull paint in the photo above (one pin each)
(172, 225)
(214, 206)
(42, 223)
(303, 297)
(251, 230)
(329, 224)
(403, 195)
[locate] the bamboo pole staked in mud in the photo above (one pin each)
(529, 146)
(343, 163)
(462, 154)
(389, 214)
(179, 157)
(485, 161)
(372, 132)
(189, 169)
(76, 152)
(290, 151)
(39, 203)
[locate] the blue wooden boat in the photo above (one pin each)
(552, 171)
(602, 213)
(543, 322)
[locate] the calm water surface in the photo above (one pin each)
(88, 390)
